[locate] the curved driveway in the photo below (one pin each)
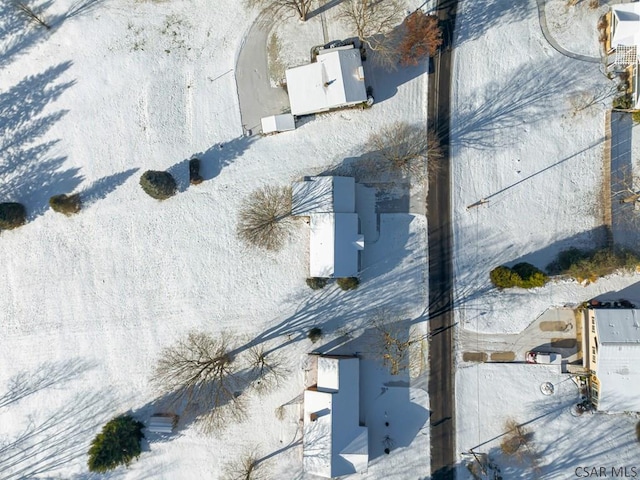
(256, 96)
(552, 41)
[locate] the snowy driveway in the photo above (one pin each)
(554, 330)
(256, 95)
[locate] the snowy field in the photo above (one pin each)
(527, 183)
(561, 441)
(115, 89)
(522, 143)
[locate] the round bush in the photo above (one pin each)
(194, 172)
(523, 275)
(348, 283)
(159, 185)
(315, 334)
(117, 444)
(529, 275)
(502, 277)
(65, 204)
(316, 283)
(12, 215)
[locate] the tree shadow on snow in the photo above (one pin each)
(30, 167)
(17, 33)
(48, 374)
(518, 99)
(102, 187)
(476, 17)
(212, 161)
(51, 441)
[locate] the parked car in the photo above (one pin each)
(542, 357)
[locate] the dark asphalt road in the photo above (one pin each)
(441, 378)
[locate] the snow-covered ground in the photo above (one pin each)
(560, 441)
(89, 301)
(574, 27)
(523, 143)
(528, 182)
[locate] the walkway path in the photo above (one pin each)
(552, 41)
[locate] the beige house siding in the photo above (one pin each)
(590, 355)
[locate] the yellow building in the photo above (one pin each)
(612, 356)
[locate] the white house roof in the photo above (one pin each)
(618, 367)
(334, 240)
(618, 325)
(334, 80)
(334, 443)
(161, 424)
(627, 30)
(334, 245)
(278, 123)
(324, 195)
(618, 371)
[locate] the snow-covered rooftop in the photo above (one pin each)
(618, 371)
(334, 443)
(336, 79)
(618, 325)
(627, 27)
(618, 367)
(324, 195)
(335, 239)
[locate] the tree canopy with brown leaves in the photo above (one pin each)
(422, 38)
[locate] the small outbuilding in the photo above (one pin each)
(335, 79)
(278, 123)
(162, 423)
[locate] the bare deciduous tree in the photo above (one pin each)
(374, 21)
(265, 217)
(32, 15)
(395, 343)
(248, 467)
(517, 443)
(407, 149)
(267, 367)
(200, 371)
(627, 185)
(585, 99)
(301, 7)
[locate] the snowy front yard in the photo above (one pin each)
(89, 301)
(528, 166)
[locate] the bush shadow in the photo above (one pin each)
(542, 258)
(212, 160)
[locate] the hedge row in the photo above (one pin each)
(523, 275)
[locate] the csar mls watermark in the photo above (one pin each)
(607, 472)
